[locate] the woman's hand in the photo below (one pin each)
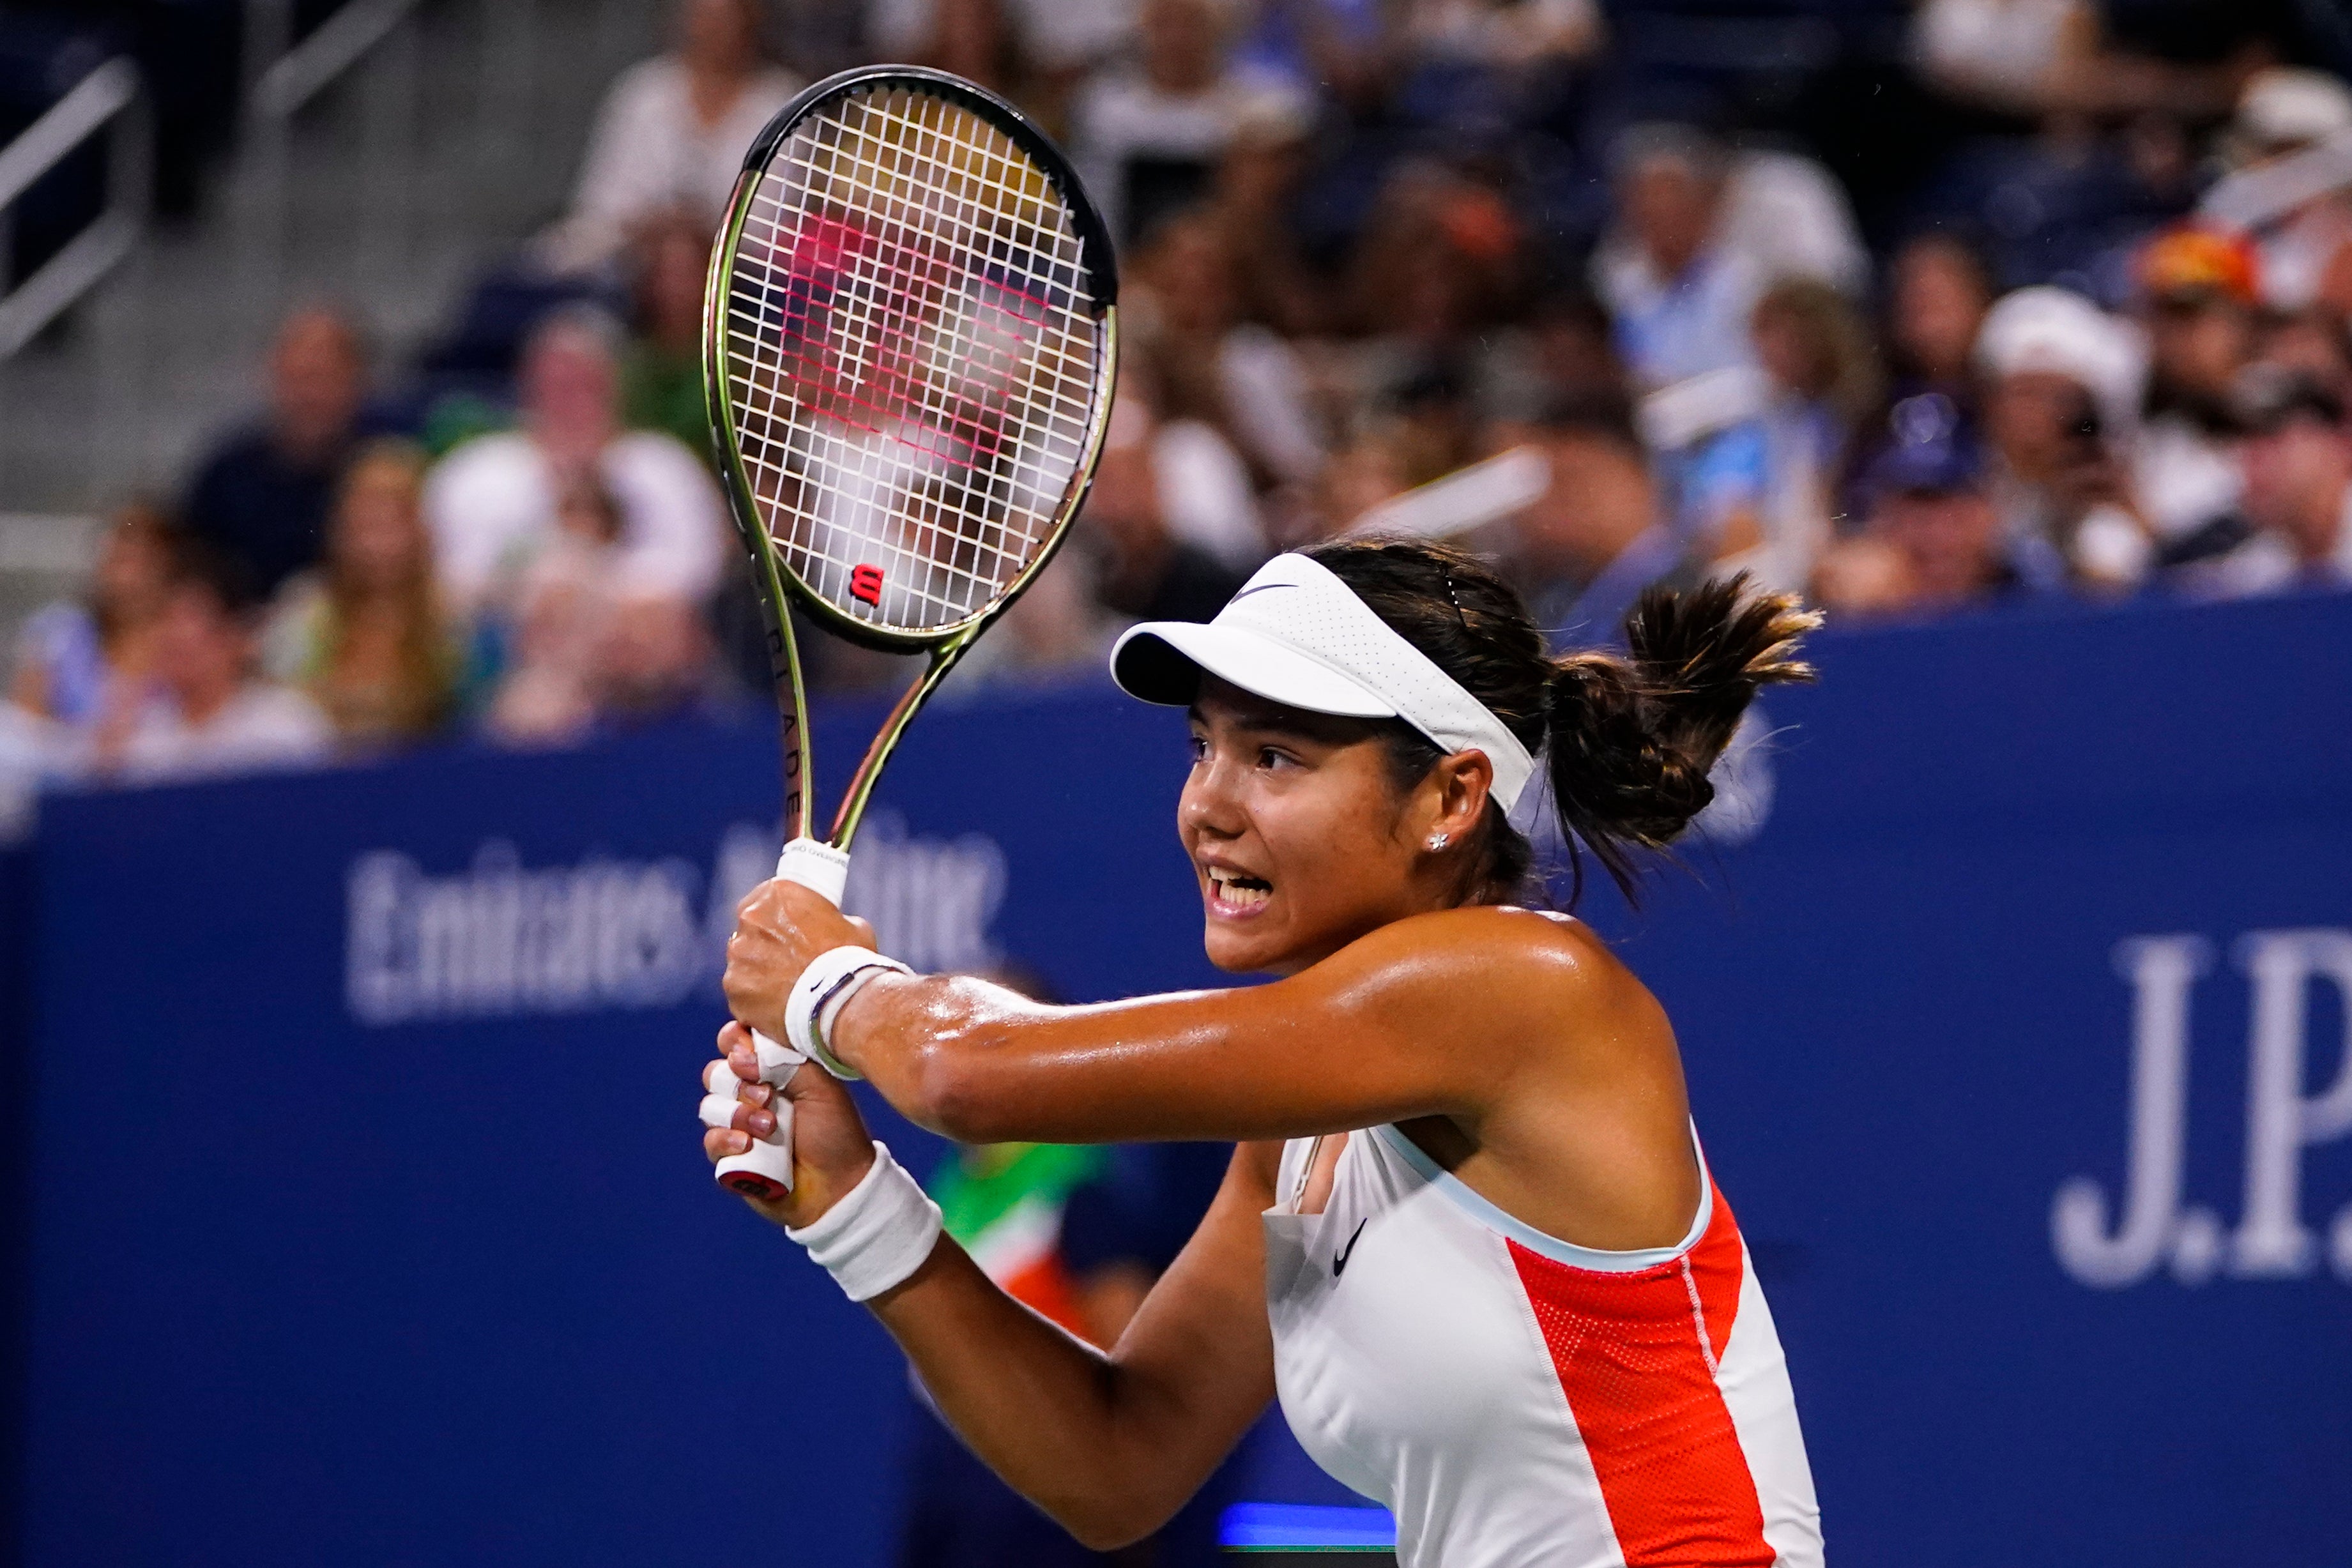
(831, 1148)
(778, 929)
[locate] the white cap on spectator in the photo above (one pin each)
(2059, 331)
(2289, 107)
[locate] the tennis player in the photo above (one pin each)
(1468, 1233)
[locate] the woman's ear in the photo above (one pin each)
(1461, 784)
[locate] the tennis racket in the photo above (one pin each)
(909, 338)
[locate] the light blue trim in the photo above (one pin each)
(1263, 1526)
(1535, 1240)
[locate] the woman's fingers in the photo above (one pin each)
(720, 1079)
(720, 1143)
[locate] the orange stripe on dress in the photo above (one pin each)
(1636, 1354)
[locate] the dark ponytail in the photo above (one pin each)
(1627, 739)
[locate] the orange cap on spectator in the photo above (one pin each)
(2192, 260)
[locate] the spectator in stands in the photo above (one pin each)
(1200, 480)
(1941, 291)
(1359, 476)
(2298, 496)
(561, 607)
(1037, 50)
(75, 661)
(1933, 542)
(364, 634)
(2037, 58)
(1442, 262)
(263, 493)
(1253, 203)
(655, 661)
(2011, 55)
(2064, 384)
(1584, 552)
(1699, 234)
(1237, 377)
(1823, 375)
(672, 133)
(2197, 292)
(1056, 630)
(1571, 357)
(594, 647)
(2282, 113)
(1427, 423)
(496, 503)
(661, 376)
(1938, 289)
(1147, 137)
(1475, 66)
(208, 713)
(2316, 342)
(1680, 299)
(1143, 517)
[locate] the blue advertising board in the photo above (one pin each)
(367, 1223)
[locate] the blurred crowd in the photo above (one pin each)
(2054, 305)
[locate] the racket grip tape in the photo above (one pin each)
(766, 1171)
(817, 867)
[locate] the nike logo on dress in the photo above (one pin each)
(1339, 1263)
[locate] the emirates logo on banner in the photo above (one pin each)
(500, 939)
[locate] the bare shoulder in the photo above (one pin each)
(1497, 963)
(1535, 944)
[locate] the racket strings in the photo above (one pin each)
(912, 357)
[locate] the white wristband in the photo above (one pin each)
(821, 992)
(878, 1234)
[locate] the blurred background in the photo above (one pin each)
(385, 688)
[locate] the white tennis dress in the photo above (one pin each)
(1519, 1401)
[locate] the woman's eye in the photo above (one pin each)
(1267, 757)
(1200, 747)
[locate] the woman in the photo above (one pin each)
(1468, 1234)
(1822, 369)
(79, 664)
(365, 635)
(672, 131)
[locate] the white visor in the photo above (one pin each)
(1298, 635)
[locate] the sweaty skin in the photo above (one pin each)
(1510, 1045)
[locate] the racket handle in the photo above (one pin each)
(817, 867)
(766, 1171)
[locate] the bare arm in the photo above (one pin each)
(1110, 1443)
(1435, 1015)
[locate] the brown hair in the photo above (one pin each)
(1837, 341)
(424, 685)
(1627, 739)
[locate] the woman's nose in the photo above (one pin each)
(1209, 804)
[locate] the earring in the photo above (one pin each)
(1438, 840)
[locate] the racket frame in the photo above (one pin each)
(779, 587)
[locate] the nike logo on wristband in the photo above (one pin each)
(1339, 1263)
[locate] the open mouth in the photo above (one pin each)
(1230, 892)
